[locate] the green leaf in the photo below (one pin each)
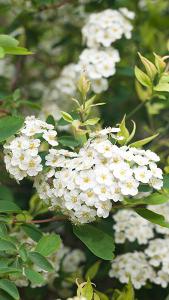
(91, 122)
(166, 181)
(34, 276)
(3, 230)
(142, 77)
(67, 117)
(6, 245)
(9, 287)
(123, 131)
(40, 261)
(50, 120)
(23, 253)
(132, 134)
(5, 193)
(149, 66)
(48, 244)
(93, 270)
(5, 296)
(162, 87)
(8, 207)
(2, 52)
(98, 242)
(9, 126)
(152, 217)
(7, 41)
(68, 141)
(139, 144)
(17, 51)
(160, 63)
(153, 199)
(87, 290)
(32, 231)
(126, 294)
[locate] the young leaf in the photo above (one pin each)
(67, 117)
(160, 63)
(8, 41)
(87, 290)
(91, 122)
(17, 51)
(152, 217)
(149, 66)
(40, 261)
(48, 244)
(142, 77)
(9, 287)
(127, 293)
(34, 276)
(93, 270)
(139, 144)
(98, 242)
(9, 207)
(9, 126)
(32, 231)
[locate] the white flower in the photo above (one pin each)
(122, 171)
(50, 137)
(132, 266)
(130, 226)
(85, 180)
(142, 174)
(106, 27)
(129, 187)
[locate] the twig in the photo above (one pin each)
(56, 5)
(52, 219)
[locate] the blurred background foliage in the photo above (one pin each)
(51, 29)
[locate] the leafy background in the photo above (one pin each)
(51, 29)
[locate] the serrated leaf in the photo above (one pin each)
(8, 207)
(23, 253)
(40, 261)
(48, 244)
(139, 144)
(9, 126)
(34, 277)
(98, 242)
(142, 77)
(9, 287)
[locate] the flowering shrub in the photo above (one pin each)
(84, 185)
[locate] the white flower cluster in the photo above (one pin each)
(64, 259)
(99, 65)
(132, 266)
(105, 27)
(130, 226)
(157, 254)
(86, 184)
(22, 151)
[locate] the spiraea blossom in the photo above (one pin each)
(99, 65)
(85, 185)
(105, 27)
(22, 151)
(130, 226)
(157, 253)
(132, 266)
